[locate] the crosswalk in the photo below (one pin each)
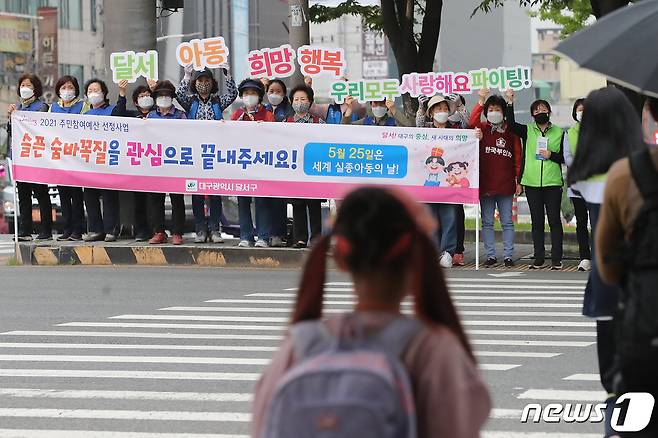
(6, 248)
(189, 371)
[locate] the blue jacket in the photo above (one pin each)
(194, 109)
(106, 110)
(173, 113)
(370, 120)
(335, 115)
(38, 105)
(74, 109)
(282, 112)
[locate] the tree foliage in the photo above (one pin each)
(580, 12)
(371, 15)
(599, 8)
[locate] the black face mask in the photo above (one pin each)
(541, 118)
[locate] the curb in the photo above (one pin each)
(185, 255)
(524, 237)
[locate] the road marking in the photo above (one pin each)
(485, 280)
(551, 333)
(172, 326)
(352, 303)
(38, 345)
(119, 374)
(126, 395)
(531, 343)
(133, 359)
(515, 354)
(562, 395)
(496, 366)
(240, 337)
(584, 377)
(507, 274)
(507, 414)
(40, 433)
(275, 319)
(510, 434)
(453, 292)
(90, 414)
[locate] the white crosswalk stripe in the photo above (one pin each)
(220, 347)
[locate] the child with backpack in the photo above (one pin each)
(627, 256)
(373, 372)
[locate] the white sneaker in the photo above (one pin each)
(216, 237)
(585, 265)
(446, 260)
(260, 243)
(277, 242)
(244, 244)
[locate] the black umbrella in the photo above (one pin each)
(622, 46)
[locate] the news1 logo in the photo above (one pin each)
(191, 185)
(631, 413)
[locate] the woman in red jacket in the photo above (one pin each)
(500, 169)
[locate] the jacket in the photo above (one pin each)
(260, 115)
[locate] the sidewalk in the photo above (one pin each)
(129, 252)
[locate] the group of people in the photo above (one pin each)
(514, 158)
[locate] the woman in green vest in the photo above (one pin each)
(579, 205)
(541, 176)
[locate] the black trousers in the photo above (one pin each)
(461, 228)
(141, 216)
(157, 209)
(73, 210)
(25, 191)
(107, 220)
(582, 232)
(300, 220)
(546, 200)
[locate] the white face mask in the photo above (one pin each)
(579, 116)
(164, 102)
(441, 117)
(67, 95)
(275, 99)
(145, 102)
(95, 98)
(455, 118)
(379, 111)
(250, 101)
(495, 117)
(26, 92)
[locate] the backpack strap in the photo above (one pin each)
(397, 335)
(644, 173)
(310, 338)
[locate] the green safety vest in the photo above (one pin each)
(542, 173)
(572, 134)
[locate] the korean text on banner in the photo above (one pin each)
(369, 90)
(289, 160)
(316, 61)
(129, 66)
(272, 63)
(208, 52)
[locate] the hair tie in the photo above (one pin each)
(403, 244)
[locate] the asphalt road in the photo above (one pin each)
(160, 352)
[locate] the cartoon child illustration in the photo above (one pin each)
(435, 165)
(457, 174)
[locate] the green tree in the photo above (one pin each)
(411, 26)
(580, 13)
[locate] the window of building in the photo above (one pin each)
(93, 15)
(75, 70)
(70, 14)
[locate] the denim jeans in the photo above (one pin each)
(275, 216)
(246, 222)
(203, 223)
(488, 205)
(446, 236)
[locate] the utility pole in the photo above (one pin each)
(127, 25)
(299, 31)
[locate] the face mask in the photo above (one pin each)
(301, 107)
(455, 118)
(579, 116)
(67, 95)
(441, 117)
(275, 99)
(541, 118)
(379, 111)
(164, 102)
(145, 102)
(250, 101)
(26, 93)
(495, 117)
(204, 88)
(95, 98)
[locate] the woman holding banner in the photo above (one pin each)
(102, 225)
(198, 94)
(251, 92)
(302, 99)
(71, 198)
(164, 93)
(30, 91)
